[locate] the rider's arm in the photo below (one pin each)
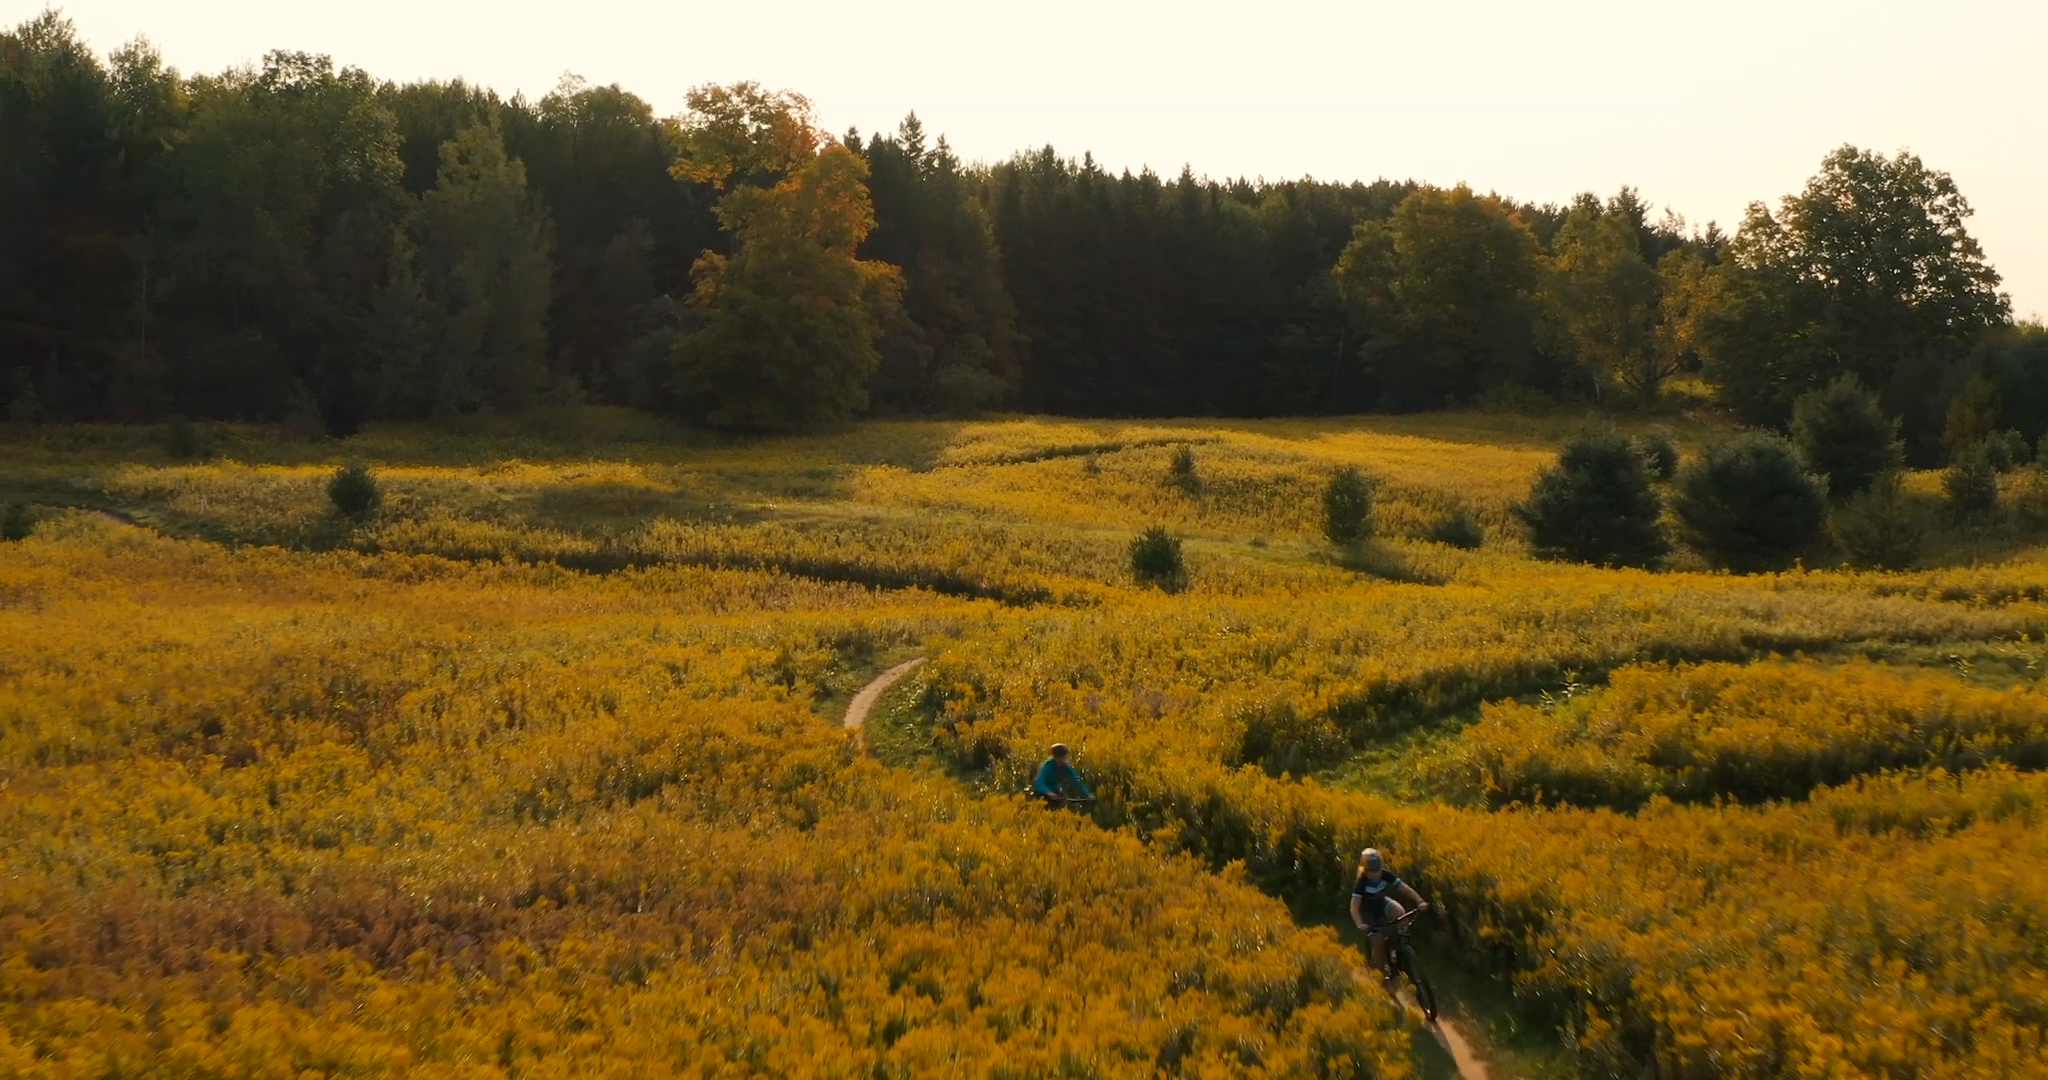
(1357, 911)
(1075, 775)
(1415, 900)
(1042, 784)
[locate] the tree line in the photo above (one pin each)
(305, 242)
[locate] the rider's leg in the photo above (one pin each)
(1380, 945)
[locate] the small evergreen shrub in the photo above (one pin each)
(2029, 497)
(1844, 437)
(1459, 529)
(22, 406)
(1595, 506)
(1180, 472)
(1347, 506)
(1156, 560)
(1748, 505)
(1878, 528)
(354, 490)
(183, 439)
(1972, 416)
(1659, 453)
(1970, 486)
(2007, 450)
(16, 523)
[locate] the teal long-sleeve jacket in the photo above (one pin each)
(1055, 775)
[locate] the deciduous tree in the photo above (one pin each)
(790, 317)
(1867, 271)
(1604, 294)
(1444, 293)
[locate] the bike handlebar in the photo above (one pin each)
(1404, 917)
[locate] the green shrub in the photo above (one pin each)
(1459, 529)
(2029, 497)
(1879, 528)
(1748, 505)
(1972, 416)
(16, 523)
(1595, 506)
(354, 490)
(184, 439)
(1844, 437)
(1659, 453)
(1970, 486)
(22, 405)
(1180, 472)
(2007, 450)
(1156, 560)
(1347, 506)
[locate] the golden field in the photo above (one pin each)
(537, 770)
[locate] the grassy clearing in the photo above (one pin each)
(642, 582)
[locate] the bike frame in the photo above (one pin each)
(1401, 959)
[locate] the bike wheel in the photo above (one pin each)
(1425, 994)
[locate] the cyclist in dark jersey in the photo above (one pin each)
(1373, 903)
(1057, 778)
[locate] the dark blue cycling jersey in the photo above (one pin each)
(1372, 895)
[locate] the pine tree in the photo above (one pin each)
(1844, 436)
(1595, 505)
(1749, 505)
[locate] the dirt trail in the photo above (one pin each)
(1453, 1041)
(864, 702)
(1445, 1030)
(1470, 1067)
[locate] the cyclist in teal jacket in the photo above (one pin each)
(1056, 777)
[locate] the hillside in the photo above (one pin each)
(537, 769)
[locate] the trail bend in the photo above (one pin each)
(1446, 1032)
(864, 702)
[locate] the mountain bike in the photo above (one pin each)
(1401, 959)
(1061, 802)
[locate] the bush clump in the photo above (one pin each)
(1347, 506)
(354, 490)
(1459, 529)
(1180, 472)
(23, 408)
(1156, 560)
(1748, 505)
(1844, 437)
(1595, 506)
(2007, 450)
(1970, 486)
(16, 522)
(1878, 528)
(1659, 453)
(186, 440)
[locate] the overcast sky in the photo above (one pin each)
(1702, 106)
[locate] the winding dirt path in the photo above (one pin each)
(864, 702)
(1452, 1040)
(1446, 1032)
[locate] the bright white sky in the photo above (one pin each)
(1701, 105)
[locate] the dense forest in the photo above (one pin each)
(304, 243)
